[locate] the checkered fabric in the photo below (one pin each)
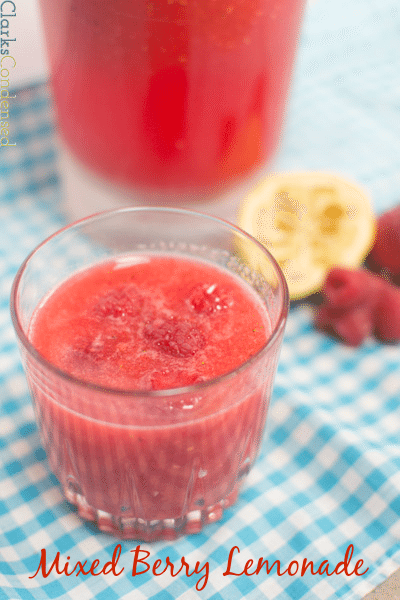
(329, 471)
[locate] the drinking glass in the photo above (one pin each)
(150, 464)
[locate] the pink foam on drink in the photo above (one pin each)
(153, 324)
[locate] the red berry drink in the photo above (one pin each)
(151, 374)
(158, 323)
(171, 94)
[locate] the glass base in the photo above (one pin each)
(86, 193)
(130, 528)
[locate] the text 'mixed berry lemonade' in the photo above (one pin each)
(151, 371)
(172, 94)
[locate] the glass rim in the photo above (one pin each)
(284, 309)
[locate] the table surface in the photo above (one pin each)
(329, 471)
(388, 590)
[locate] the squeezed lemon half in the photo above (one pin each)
(309, 222)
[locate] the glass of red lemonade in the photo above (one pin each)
(150, 339)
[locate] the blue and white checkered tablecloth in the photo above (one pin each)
(329, 471)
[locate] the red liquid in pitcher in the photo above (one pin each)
(180, 94)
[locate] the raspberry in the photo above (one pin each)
(119, 303)
(358, 303)
(387, 315)
(176, 338)
(345, 288)
(89, 350)
(385, 254)
(351, 326)
(351, 298)
(207, 299)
